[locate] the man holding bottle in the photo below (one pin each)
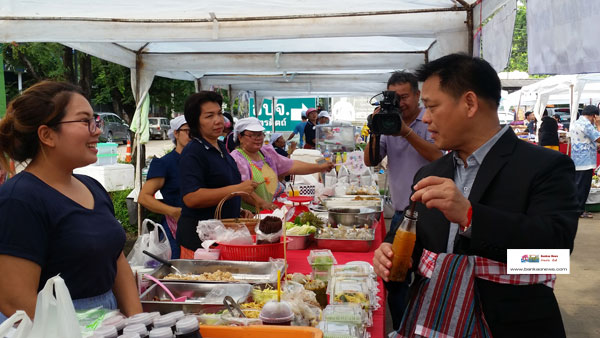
(491, 193)
(408, 151)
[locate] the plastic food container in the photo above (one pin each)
(339, 330)
(345, 313)
(321, 262)
(353, 270)
(346, 290)
(276, 313)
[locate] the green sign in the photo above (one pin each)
(288, 112)
(2, 88)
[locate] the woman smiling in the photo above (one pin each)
(263, 165)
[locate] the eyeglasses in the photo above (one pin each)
(92, 123)
(255, 136)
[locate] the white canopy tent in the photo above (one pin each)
(276, 48)
(559, 89)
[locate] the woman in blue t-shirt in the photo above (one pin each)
(52, 221)
(207, 172)
(163, 175)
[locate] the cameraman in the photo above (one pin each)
(407, 151)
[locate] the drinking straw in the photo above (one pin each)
(279, 285)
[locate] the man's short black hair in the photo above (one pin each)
(399, 77)
(460, 73)
(527, 114)
(590, 110)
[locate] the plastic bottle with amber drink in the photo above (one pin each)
(404, 243)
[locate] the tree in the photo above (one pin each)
(518, 56)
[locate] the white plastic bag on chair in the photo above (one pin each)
(21, 331)
(150, 241)
(54, 312)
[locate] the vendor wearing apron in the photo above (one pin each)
(263, 165)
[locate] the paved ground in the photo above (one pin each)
(156, 148)
(578, 293)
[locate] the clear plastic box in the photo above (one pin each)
(107, 148)
(339, 330)
(353, 270)
(344, 313)
(106, 159)
(321, 262)
(350, 290)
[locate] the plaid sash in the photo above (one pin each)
(446, 304)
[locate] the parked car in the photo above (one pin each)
(159, 126)
(564, 113)
(114, 129)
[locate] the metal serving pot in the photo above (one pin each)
(354, 216)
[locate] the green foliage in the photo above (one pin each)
(518, 56)
(110, 79)
(170, 94)
(119, 199)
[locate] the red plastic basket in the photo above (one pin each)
(255, 252)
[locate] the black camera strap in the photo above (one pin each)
(374, 155)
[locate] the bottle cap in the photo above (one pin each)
(138, 328)
(186, 325)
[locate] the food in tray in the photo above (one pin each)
(361, 190)
(269, 225)
(352, 297)
(217, 276)
(363, 198)
(293, 229)
(309, 218)
(264, 295)
(319, 287)
(363, 232)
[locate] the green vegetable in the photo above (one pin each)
(305, 229)
(310, 218)
(323, 260)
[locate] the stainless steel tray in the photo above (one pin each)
(346, 245)
(245, 272)
(349, 201)
(202, 298)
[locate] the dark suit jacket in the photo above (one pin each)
(523, 197)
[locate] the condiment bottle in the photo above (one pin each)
(404, 243)
(161, 332)
(143, 318)
(187, 328)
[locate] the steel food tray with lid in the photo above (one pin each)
(242, 271)
(201, 298)
(345, 245)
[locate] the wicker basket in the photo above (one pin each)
(250, 223)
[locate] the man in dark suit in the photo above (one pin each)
(490, 193)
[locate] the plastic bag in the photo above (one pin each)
(331, 178)
(343, 175)
(150, 242)
(268, 238)
(23, 328)
(55, 315)
(213, 230)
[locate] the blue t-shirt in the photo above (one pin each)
(203, 166)
(40, 224)
(299, 129)
(167, 167)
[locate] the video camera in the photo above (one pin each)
(388, 120)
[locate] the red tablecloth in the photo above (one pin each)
(298, 263)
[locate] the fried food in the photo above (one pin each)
(217, 276)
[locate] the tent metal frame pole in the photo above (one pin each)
(138, 177)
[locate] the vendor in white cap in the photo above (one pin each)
(323, 117)
(163, 175)
(278, 142)
(262, 164)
